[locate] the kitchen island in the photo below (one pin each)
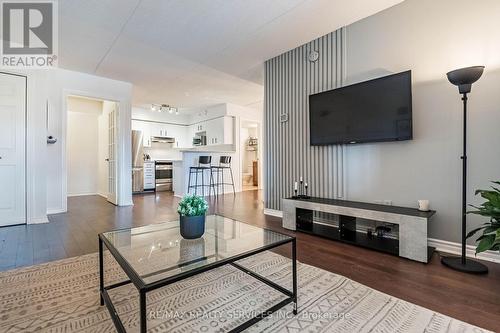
(190, 158)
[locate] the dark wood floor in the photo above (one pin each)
(474, 299)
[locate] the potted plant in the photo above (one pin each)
(192, 209)
(490, 239)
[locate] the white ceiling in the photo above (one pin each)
(194, 53)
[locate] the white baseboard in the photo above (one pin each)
(38, 220)
(456, 248)
(440, 245)
(102, 195)
(81, 194)
(55, 211)
(273, 212)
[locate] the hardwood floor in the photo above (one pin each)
(474, 299)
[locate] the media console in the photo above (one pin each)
(396, 230)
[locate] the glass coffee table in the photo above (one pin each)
(156, 255)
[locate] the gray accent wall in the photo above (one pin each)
(409, 36)
(289, 80)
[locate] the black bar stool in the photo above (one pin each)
(204, 163)
(224, 164)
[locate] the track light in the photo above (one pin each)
(164, 108)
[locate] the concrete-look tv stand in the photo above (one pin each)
(341, 220)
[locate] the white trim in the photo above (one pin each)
(125, 204)
(273, 212)
(456, 248)
(38, 220)
(105, 196)
(81, 194)
(55, 211)
(440, 245)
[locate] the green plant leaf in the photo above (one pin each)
(474, 231)
(486, 243)
(192, 205)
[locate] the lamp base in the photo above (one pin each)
(470, 266)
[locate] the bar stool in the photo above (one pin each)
(224, 164)
(204, 163)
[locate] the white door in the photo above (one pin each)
(112, 154)
(12, 149)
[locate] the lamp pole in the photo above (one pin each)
(464, 182)
(464, 78)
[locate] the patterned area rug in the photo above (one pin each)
(62, 296)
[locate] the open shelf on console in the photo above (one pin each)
(348, 229)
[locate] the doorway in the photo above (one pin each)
(250, 151)
(91, 147)
(12, 149)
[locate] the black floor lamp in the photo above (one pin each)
(464, 78)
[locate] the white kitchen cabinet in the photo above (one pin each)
(220, 131)
(145, 128)
(180, 133)
(200, 127)
(149, 176)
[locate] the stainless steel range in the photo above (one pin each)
(163, 175)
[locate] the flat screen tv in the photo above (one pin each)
(371, 111)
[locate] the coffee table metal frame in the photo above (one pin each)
(144, 288)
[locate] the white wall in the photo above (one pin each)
(163, 151)
(62, 83)
(147, 114)
(82, 145)
(430, 38)
(82, 153)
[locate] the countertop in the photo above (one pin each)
(164, 160)
(210, 149)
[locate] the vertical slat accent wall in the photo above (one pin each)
(289, 80)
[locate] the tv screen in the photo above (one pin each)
(371, 111)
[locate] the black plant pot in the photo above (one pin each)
(192, 226)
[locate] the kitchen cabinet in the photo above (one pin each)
(220, 131)
(145, 128)
(149, 175)
(159, 129)
(200, 127)
(180, 133)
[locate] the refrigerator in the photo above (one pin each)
(137, 162)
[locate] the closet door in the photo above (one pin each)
(12, 149)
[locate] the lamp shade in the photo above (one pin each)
(465, 77)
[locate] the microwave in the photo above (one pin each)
(200, 140)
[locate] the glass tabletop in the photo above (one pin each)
(156, 252)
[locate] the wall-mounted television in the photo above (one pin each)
(371, 111)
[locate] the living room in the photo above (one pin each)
(370, 127)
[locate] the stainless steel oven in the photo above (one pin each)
(163, 175)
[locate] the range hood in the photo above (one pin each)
(162, 139)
